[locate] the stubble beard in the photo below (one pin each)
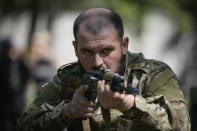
(122, 65)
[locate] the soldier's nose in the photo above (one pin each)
(98, 61)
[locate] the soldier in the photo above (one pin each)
(100, 43)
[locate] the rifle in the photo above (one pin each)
(116, 82)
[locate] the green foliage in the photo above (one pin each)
(21, 3)
(177, 11)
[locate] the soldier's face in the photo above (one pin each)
(101, 50)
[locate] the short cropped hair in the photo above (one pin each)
(103, 19)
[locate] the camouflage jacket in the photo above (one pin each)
(160, 104)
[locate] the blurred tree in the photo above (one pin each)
(35, 7)
(183, 12)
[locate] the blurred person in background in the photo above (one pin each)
(41, 61)
(100, 43)
(14, 74)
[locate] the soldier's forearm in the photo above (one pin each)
(43, 117)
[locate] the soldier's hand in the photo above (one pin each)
(116, 100)
(79, 107)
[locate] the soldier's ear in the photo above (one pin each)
(75, 47)
(125, 44)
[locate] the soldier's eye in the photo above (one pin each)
(86, 52)
(107, 51)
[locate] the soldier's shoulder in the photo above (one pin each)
(156, 63)
(74, 66)
(147, 65)
(153, 64)
(68, 65)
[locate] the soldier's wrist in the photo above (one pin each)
(66, 110)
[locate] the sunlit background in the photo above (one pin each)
(163, 30)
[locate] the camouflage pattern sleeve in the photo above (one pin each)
(46, 111)
(161, 105)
